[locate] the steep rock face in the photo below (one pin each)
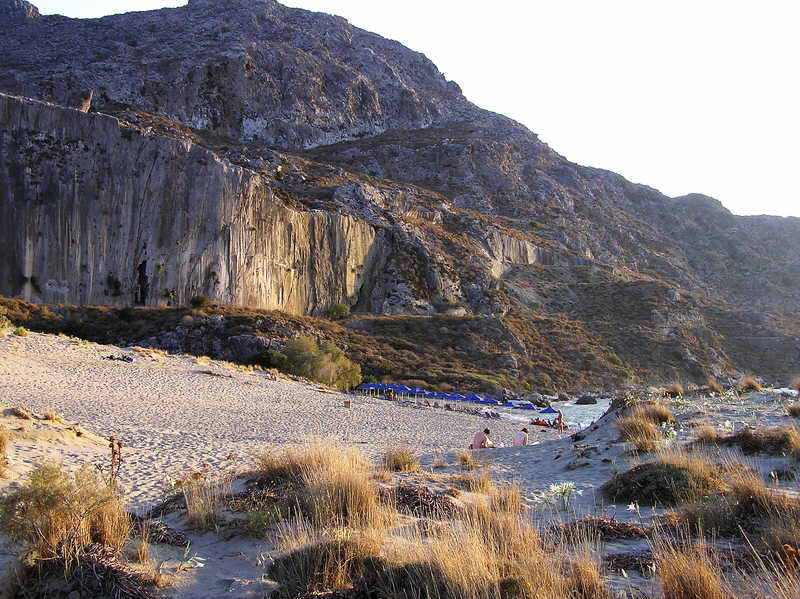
(246, 69)
(17, 12)
(93, 212)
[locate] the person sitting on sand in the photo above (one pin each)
(481, 440)
(521, 438)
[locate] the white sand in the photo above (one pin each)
(173, 417)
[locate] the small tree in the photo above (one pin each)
(200, 301)
(339, 311)
(326, 364)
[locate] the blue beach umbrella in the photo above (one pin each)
(548, 410)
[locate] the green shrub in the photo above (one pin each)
(325, 364)
(56, 516)
(4, 321)
(339, 311)
(272, 358)
(21, 332)
(199, 301)
(615, 359)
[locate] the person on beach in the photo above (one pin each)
(481, 440)
(560, 422)
(521, 438)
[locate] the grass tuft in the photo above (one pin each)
(780, 440)
(674, 390)
(793, 410)
(4, 439)
(707, 435)
(507, 498)
(466, 461)
(205, 499)
(714, 386)
(748, 383)
(688, 570)
(795, 384)
(400, 459)
(640, 426)
(669, 480)
(328, 484)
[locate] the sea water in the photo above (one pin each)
(576, 417)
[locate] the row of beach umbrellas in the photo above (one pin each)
(471, 398)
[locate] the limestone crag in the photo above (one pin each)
(97, 213)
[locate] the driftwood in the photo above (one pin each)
(100, 567)
(419, 501)
(605, 528)
(97, 572)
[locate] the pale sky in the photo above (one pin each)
(685, 96)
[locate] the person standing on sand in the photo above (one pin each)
(560, 422)
(521, 438)
(481, 440)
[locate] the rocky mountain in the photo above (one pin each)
(276, 158)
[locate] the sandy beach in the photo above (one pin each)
(176, 413)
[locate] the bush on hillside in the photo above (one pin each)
(339, 311)
(4, 321)
(325, 364)
(199, 301)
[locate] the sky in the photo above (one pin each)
(699, 96)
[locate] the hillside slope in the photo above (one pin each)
(276, 158)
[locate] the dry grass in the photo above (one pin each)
(707, 435)
(52, 416)
(439, 463)
(466, 461)
(480, 482)
(658, 413)
(143, 547)
(688, 570)
(777, 441)
(793, 410)
(714, 386)
(795, 384)
(754, 498)
(669, 480)
(56, 517)
(490, 551)
(638, 429)
(400, 459)
(318, 560)
(205, 499)
(329, 484)
(488, 555)
(674, 390)
(4, 439)
(507, 498)
(748, 383)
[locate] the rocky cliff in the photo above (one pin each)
(277, 158)
(93, 212)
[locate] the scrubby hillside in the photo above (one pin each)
(274, 158)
